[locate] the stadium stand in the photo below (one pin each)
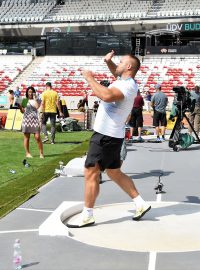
(94, 10)
(22, 11)
(173, 8)
(169, 71)
(64, 73)
(10, 68)
(100, 10)
(84, 10)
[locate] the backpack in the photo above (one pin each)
(185, 140)
(70, 124)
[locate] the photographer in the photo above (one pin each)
(195, 115)
(184, 101)
(159, 103)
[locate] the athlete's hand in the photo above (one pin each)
(109, 56)
(87, 74)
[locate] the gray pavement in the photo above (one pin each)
(144, 163)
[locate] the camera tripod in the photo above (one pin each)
(174, 139)
(159, 187)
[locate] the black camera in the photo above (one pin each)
(180, 90)
(183, 99)
(183, 102)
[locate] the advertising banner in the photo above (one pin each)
(172, 50)
(10, 119)
(18, 120)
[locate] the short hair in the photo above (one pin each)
(11, 91)
(157, 86)
(49, 84)
(137, 60)
(30, 88)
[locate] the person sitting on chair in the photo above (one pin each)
(80, 106)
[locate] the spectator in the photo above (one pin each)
(148, 101)
(80, 106)
(159, 103)
(39, 99)
(85, 98)
(11, 98)
(17, 92)
(30, 122)
(136, 117)
(63, 107)
(50, 103)
(95, 107)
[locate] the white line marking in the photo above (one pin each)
(152, 261)
(36, 210)
(19, 231)
(159, 197)
(153, 255)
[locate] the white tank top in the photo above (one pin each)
(111, 116)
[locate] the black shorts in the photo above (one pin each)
(46, 116)
(159, 118)
(105, 151)
(136, 119)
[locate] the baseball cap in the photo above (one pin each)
(157, 86)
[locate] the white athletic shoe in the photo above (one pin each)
(81, 222)
(140, 212)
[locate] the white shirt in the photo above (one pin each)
(111, 116)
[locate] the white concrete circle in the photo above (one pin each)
(167, 227)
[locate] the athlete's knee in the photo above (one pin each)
(114, 174)
(92, 173)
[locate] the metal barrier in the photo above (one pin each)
(89, 117)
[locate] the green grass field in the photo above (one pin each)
(18, 187)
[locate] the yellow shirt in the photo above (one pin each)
(63, 102)
(49, 98)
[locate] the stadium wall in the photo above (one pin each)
(35, 29)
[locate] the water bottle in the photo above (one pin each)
(17, 258)
(26, 165)
(61, 163)
(12, 171)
